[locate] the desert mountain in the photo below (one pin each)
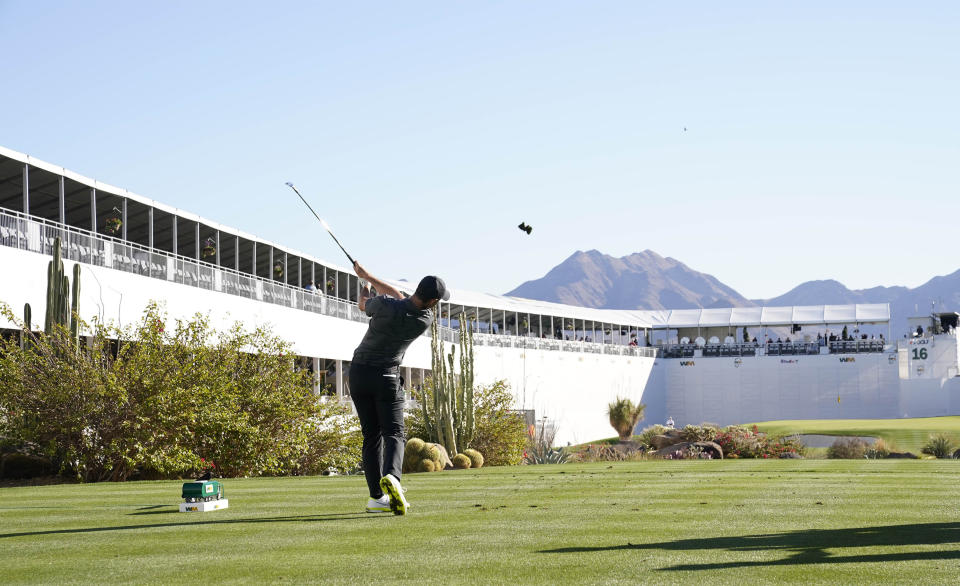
(646, 280)
(643, 280)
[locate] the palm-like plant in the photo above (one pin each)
(624, 416)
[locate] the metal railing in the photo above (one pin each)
(502, 341)
(23, 232)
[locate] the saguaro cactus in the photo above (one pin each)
(448, 415)
(27, 328)
(63, 301)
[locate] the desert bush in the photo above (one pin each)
(624, 416)
(540, 448)
(608, 453)
(476, 458)
(847, 448)
(646, 436)
(500, 433)
(938, 446)
(148, 400)
(700, 433)
(426, 466)
(878, 450)
(461, 461)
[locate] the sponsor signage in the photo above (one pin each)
(687, 363)
(848, 359)
(789, 361)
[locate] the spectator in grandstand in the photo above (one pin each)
(670, 421)
(310, 287)
(376, 386)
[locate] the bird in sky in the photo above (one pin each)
(523, 226)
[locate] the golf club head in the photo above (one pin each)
(289, 184)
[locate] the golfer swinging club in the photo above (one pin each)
(375, 387)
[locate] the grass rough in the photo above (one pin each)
(696, 521)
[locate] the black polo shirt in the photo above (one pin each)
(394, 324)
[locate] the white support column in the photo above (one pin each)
(26, 188)
(93, 210)
(196, 239)
(216, 245)
(407, 381)
(176, 249)
(339, 379)
(271, 265)
(254, 247)
(62, 207)
(316, 377)
(123, 220)
(150, 226)
(236, 253)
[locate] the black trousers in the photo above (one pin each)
(378, 397)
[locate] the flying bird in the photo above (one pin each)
(523, 226)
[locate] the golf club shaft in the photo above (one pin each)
(325, 226)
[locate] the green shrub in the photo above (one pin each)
(18, 466)
(939, 446)
(500, 433)
(162, 402)
(700, 433)
(646, 436)
(461, 461)
(476, 458)
(426, 466)
(847, 448)
(878, 450)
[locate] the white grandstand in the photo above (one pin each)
(563, 362)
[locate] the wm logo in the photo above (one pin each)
(687, 363)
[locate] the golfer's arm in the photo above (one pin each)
(382, 288)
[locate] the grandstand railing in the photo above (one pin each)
(501, 341)
(770, 349)
(23, 232)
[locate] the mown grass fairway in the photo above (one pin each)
(904, 434)
(656, 522)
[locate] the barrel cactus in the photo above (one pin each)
(476, 458)
(461, 461)
(426, 466)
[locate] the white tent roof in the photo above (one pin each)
(769, 316)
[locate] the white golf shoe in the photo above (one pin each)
(391, 488)
(380, 505)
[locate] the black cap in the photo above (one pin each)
(431, 287)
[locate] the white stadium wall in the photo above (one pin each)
(728, 391)
(572, 389)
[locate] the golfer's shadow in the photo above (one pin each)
(809, 546)
(199, 523)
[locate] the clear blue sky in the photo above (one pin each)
(823, 138)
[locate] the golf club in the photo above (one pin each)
(325, 225)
